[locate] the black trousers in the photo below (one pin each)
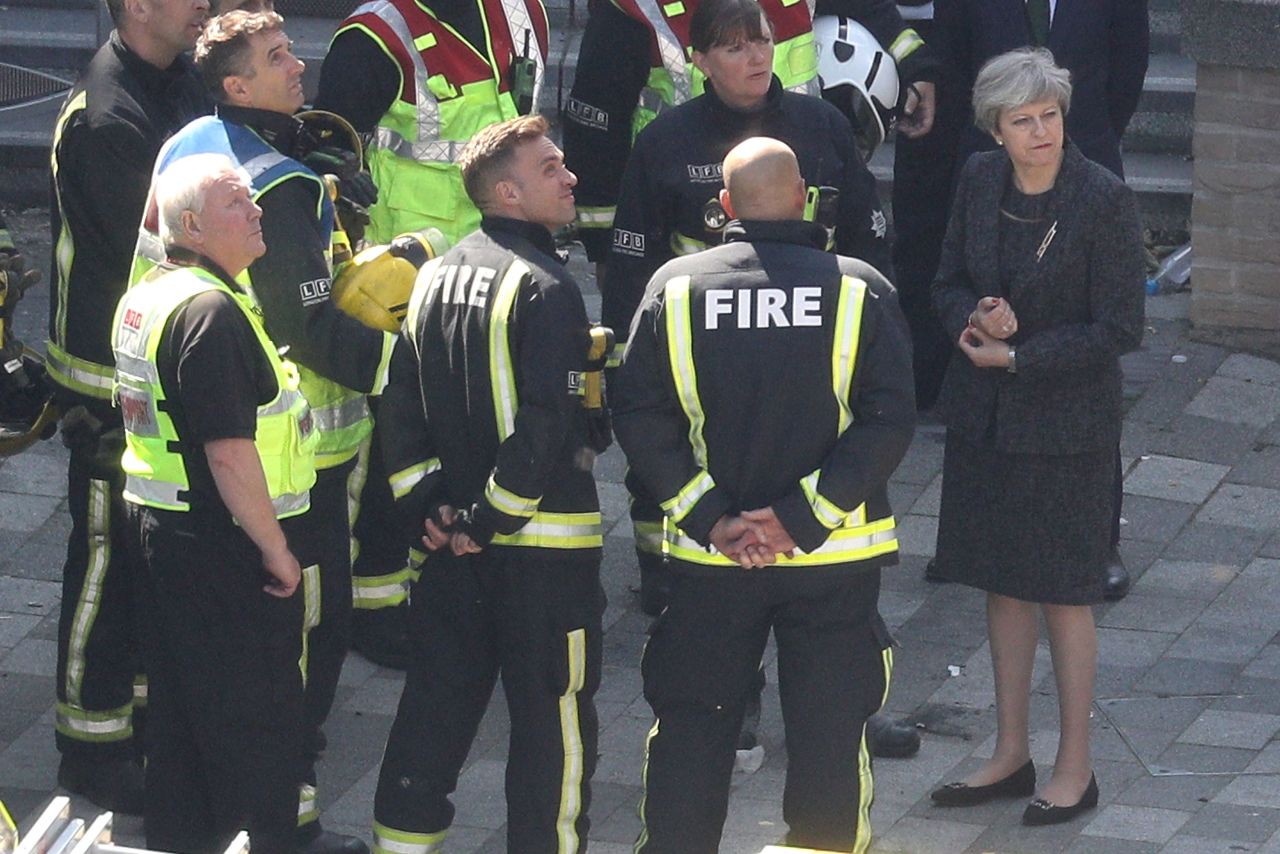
(224, 733)
(699, 665)
(922, 178)
(531, 617)
(98, 651)
(321, 540)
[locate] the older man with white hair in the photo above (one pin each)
(219, 447)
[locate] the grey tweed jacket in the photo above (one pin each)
(1078, 311)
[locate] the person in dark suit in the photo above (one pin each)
(1103, 43)
(1040, 286)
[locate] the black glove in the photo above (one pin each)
(354, 184)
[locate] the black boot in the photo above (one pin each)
(1117, 583)
(114, 784)
(382, 635)
(890, 739)
(325, 842)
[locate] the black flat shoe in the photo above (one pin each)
(1019, 784)
(1116, 584)
(1040, 811)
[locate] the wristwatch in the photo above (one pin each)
(1013, 360)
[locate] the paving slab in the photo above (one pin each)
(1174, 479)
(1236, 402)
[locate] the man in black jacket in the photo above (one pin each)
(764, 399)
(138, 89)
(490, 449)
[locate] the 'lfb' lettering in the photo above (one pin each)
(764, 307)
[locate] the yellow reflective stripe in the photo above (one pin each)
(683, 244)
(866, 782)
(845, 545)
(643, 838)
(424, 42)
(383, 372)
(501, 370)
(557, 531)
(689, 495)
(824, 511)
(372, 592)
(308, 809)
(98, 545)
(387, 840)
(355, 486)
(615, 355)
(571, 742)
(844, 353)
(907, 42)
(509, 502)
(601, 217)
(673, 9)
(679, 318)
(648, 536)
(310, 614)
(64, 249)
(403, 481)
(140, 689)
(84, 725)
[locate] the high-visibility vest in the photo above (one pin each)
(673, 78)
(854, 536)
(449, 90)
(341, 414)
(155, 473)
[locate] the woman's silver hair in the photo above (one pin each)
(1021, 76)
(182, 187)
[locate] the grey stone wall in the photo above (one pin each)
(1235, 215)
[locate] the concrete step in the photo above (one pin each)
(1161, 181)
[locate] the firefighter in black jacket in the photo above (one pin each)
(633, 64)
(137, 90)
(487, 440)
(669, 207)
(765, 399)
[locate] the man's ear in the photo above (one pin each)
(235, 91)
(506, 193)
(727, 203)
(191, 227)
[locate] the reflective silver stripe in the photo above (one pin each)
(683, 502)
(519, 23)
(139, 490)
(916, 13)
(98, 548)
(149, 246)
(256, 166)
(596, 217)
(905, 44)
(337, 416)
(74, 722)
(571, 743)
(501, 369)
(556, 530)
(671, 51)
(426, 149)
(809, 87)
(435, 151)
(80, 370)
(286, 400)
(307, 809)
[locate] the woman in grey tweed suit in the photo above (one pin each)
(1040, 286)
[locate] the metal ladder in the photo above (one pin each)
(56, 831)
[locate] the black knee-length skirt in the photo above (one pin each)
(1029, 526)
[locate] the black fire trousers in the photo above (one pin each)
(225, 727)
(532, 617)
(834, 665)
(99, 662)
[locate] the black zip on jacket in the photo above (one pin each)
(482, 408)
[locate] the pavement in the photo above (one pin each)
(1188, 701)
